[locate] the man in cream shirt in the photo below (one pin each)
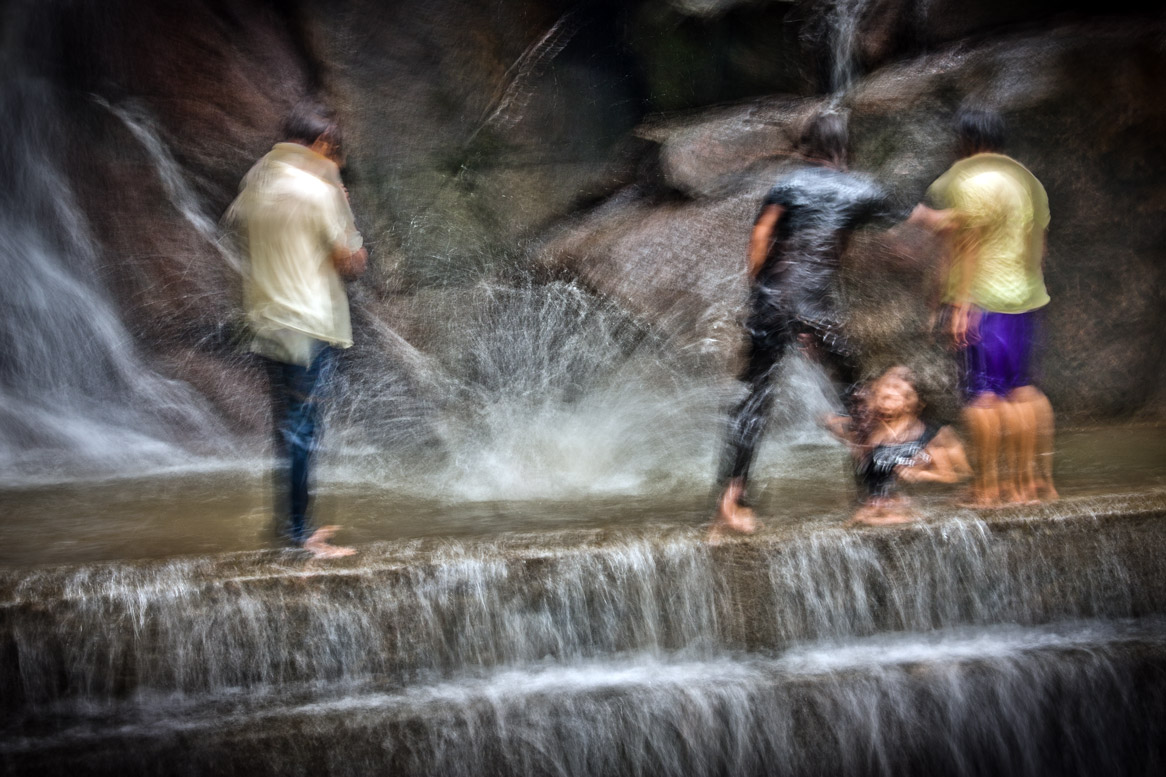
(295, 224)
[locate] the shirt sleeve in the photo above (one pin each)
(781, 194)
(339, 226)
(1040, 205)
(938, 196)
(884, 208)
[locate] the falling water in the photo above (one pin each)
(76, 395)
(843, 19)
(182, 196)
(964, 645)
(526, 390)
(957, 646)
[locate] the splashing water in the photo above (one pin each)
(548, 391)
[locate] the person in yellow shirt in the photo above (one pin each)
(997, 215)
(297, 231)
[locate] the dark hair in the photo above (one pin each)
(979, 130)
(825, 137)
(308, 122)
(864, 419)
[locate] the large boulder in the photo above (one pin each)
(1103, 356)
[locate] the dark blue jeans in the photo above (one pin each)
(297, 397)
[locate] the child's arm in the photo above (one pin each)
(842, 428)
(948, 463)
(838, 425)
(950, 442)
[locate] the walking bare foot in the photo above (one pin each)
(1020, 497)
(979, 500)
(881, 515)
(732, 518)
(319, 546)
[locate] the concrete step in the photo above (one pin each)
(1069, 698)
(101, 633)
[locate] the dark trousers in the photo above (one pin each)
(297, 396)
(769, 341)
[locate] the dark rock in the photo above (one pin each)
(1103, 356)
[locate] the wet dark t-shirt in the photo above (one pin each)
(820, 206)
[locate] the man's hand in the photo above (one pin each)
(965, 324)
(941, 222)
(350, 264)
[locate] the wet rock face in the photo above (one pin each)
(158, 108)
(480, 138)
(878, 32)
(1101, 355)
(470, 125)
(1102, 176)
(466, 128)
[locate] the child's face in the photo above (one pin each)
(894, 398)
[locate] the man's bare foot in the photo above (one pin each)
(319, 546)
(732, 518)
(731, 514)
(738, 520)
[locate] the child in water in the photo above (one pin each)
(890, 444)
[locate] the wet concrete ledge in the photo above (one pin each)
(1083, 709)
(432, 607)
(1138, 511)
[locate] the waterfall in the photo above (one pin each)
(964, 646)
(76, 395)
(843, 18)
(137, 120)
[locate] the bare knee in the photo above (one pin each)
(985, 401)
(1026, 394)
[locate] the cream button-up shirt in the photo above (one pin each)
(291, 213)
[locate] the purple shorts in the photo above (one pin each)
(998, 358)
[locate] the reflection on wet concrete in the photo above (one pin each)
(215, 512)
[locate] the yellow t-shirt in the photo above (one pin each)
(1004, 209)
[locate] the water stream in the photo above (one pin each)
(960, 645)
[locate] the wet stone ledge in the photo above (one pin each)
(408, 612)
(1086, 700)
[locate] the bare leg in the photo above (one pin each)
(1015, 438)
(983, 421)
(959, 461)
(1043, 430)
(1022, 401)
(746, 425)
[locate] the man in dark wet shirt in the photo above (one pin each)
(795, 254)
